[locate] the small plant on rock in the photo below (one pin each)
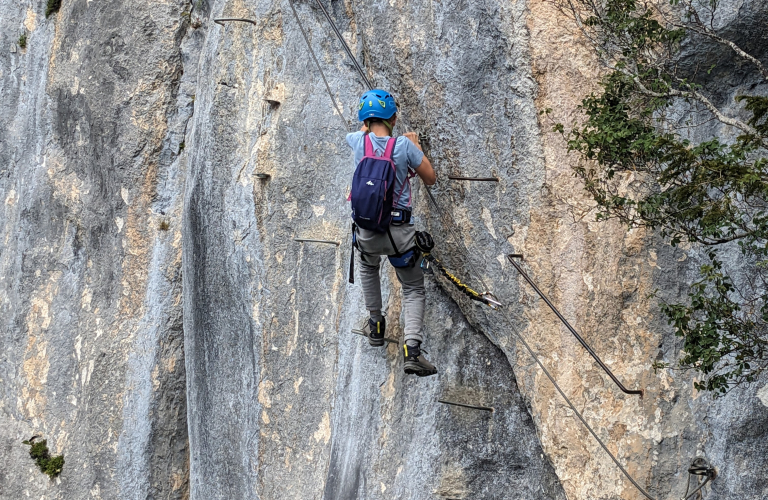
(23, 41)
(52, 7)
(47, 464)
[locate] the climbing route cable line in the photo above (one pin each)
(703, 469)
(317, 63)
(581, 340)
(344, 44)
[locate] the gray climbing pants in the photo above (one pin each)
(411, 278)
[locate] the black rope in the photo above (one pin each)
(344, 44)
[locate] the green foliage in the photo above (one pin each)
(23, 41)
(181, 146)
(52, 466)
(52, 7)
(720, 341)
(640, 170)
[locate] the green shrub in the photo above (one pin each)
(23, 41)
(52, 7)
(51, 466)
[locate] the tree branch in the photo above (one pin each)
(741, 52)
(693, 94)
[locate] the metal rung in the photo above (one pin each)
(221, 21)
(473, 407)
(485, 179)
(308, 240)
(360, 332)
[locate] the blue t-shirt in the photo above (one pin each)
(406, 155)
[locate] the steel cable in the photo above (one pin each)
(456, 237)
(319, 68)
(533, 355)
(573, 330)
(344, 44)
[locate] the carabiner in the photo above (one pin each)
(425, 266)
(491, 300)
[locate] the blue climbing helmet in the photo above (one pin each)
(376, 103)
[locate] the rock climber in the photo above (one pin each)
(383, 222)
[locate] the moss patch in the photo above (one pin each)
(23, 41)
(40, 454)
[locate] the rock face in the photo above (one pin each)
(164, 331)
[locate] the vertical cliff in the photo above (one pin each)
(164, 331)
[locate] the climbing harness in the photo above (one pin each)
(572, 330)
(697, 468)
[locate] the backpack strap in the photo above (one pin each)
(352, 254)
(368, 146)
(392, 240)
(411, 175)
(390, 147)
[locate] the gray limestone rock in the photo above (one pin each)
(164, 331)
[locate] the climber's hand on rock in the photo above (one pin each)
(414, 138)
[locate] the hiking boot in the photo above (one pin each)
(416, 363)
(376, 332)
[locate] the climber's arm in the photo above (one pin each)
(424, 170)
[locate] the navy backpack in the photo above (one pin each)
(373, 188)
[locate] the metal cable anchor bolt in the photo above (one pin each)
(491, 300)
(221, 21)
